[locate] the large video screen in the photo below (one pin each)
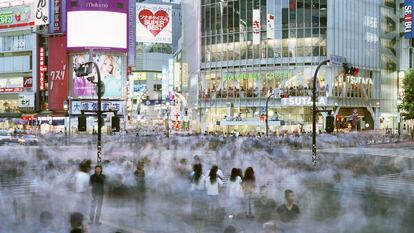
(97, 29)
(110, 67)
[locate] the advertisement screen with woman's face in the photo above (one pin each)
(110, 67)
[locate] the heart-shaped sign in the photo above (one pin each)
(154, 23)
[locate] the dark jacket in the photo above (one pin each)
(97, 182)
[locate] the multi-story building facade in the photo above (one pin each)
(253, 48)
(153, 54)
(22, 50)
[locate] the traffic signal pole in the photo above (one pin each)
(314, 112)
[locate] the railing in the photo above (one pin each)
(254, 94)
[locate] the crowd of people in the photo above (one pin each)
(212, 193)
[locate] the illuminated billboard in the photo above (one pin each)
(100, 24)
(154, 23)
(408, 19)
(110, 67)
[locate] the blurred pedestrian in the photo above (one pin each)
(264, 207)
(213, 184)
(270, 227)
(76, 223)
(140, 193)
(249, 185)
(97, 182)
(46, 219)
(234, 192)
(82, 186)
(289, 211)
(230, 229)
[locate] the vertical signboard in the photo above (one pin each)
(57, 68)
(42, 68)
(408, 19)
(131, 32)
(256, 27)
(270, 29)
(56, 21)
(41, 12)
(154, 23)
(164, 91)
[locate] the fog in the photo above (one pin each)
(349, 191)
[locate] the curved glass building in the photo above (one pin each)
(252, 49)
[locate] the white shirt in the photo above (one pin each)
(82, 182)
(234, 188)
(198, 186)
(213, 189)
(219, 173)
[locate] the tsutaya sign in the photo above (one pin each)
(355, 80)
(303, 101)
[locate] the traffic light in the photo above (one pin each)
(330, 124)
(350, 70)
(115, 124)
(82, 123)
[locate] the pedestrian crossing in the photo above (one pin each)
(16, 186)
(387, 185)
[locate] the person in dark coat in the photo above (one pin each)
(97, 182)
(140, 188)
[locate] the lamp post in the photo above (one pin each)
(65, 108)
(314, 158)
(168, 120)
(336, 118)
(85, 70)
(267, 114)
(399, 102)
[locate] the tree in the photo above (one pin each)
(407, 105)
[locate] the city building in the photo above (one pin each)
(251, 49)
(157, 42)
(23, 54)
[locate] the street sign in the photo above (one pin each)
(337, 60)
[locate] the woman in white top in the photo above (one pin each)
(197, 190)
(213, 183)
(234, 192)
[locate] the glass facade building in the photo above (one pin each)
(238, 72)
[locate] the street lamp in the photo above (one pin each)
(85, 70)
(399, 102)
(168, 120)
(267, 113)
(66, 108)
(315, 76)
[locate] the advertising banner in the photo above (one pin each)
(42, 68)
(57, 20)
(26, 100)
(270, 26)
(58, 77)
(110, 67)
(90, 105)
(164, 86)
(101, 24)
(257, 28)
(41, 12)
(132, 33)
(18, 16)
(27, 82)
(408, 19)
(154, 23)
(14, 84)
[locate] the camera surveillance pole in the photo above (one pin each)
(314, 158)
